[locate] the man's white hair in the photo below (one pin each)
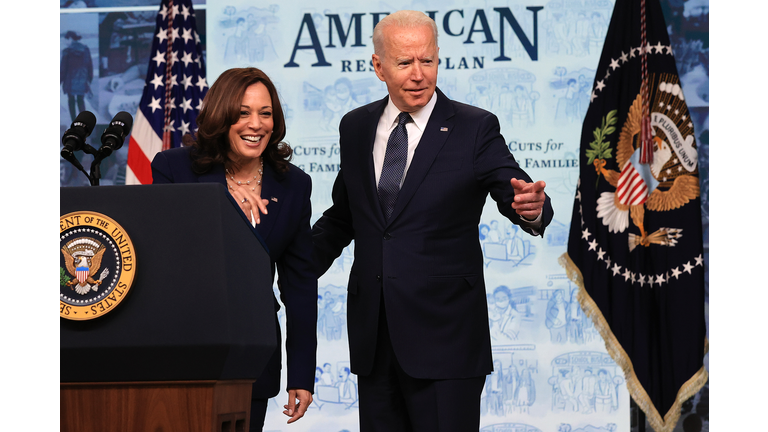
(402, 19)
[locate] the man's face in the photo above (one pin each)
(408, 66)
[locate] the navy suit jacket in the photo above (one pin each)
(425, 261)
(285, 231)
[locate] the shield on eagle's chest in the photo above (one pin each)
(81, 272)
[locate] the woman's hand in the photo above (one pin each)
(248, 200)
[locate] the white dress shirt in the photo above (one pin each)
(415, 129)
(387, 123)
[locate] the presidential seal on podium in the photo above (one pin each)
(98, 265)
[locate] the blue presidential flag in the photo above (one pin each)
(635, 243)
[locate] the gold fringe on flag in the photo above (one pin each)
(636, 390)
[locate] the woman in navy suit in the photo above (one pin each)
(239, 144)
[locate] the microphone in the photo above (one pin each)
(114, 135)
(74, 137)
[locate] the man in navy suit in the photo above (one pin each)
(416, 169)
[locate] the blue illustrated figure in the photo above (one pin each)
(566, 390)
(521, 109)
(260, 48)
(505, 245)
(511, 382)
(576, 387)
(587, 395)
(576, 320)
(484, 230)
(339, 390)
(568, 104)
(326, 378)
(347, 387)
(525, 394)
(504, 317)
(515, 245)
(556, 318)
(76, 73)
(237, 47)
(606, 399)
(494, 390)
(331, 318)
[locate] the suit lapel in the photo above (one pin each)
(432, 140)
(369, 132)
(273, 191)
(214, 175)
(217, 175)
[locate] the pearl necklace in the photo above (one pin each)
(247, 182)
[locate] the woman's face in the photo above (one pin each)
(501, 299)
(342, 91)
(250, 135)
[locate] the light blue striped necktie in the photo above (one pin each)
(394, 165)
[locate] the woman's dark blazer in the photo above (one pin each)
(285, 230)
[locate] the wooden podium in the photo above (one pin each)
(193, 406)
(182, 350)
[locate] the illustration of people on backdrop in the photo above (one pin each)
(567, 390)
(511, 382)
(347, 387)
(556, 318)
(514, 243)
(326, 377)
(522, 108)
(568, 105)
(76, 73)
(587, 395)
(525, 394)
(504, 318)
(494, 234)
(338, 100)
(238, 45)
(494, 390)
(332, 317)
(260, 48)
(606, 399)
(576, 320)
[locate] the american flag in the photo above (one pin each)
(173, 91)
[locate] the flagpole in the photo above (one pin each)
(168, 70)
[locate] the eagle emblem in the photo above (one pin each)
(82, 258)
(668, 183)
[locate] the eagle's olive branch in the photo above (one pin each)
(63, 278)
(600, 148)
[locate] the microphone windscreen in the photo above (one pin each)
(86, 120)
(126, 119)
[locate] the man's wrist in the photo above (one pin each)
(538, 218)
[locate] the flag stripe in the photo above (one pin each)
(139, 169)
(631, 188)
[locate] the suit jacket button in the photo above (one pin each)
(387, 236)
(378, 277)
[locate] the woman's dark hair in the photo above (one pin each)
(72, 35)
(505, 290)
(221, 109)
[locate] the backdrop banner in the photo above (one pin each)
(531, 65)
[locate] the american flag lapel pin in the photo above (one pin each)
(443, 129)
